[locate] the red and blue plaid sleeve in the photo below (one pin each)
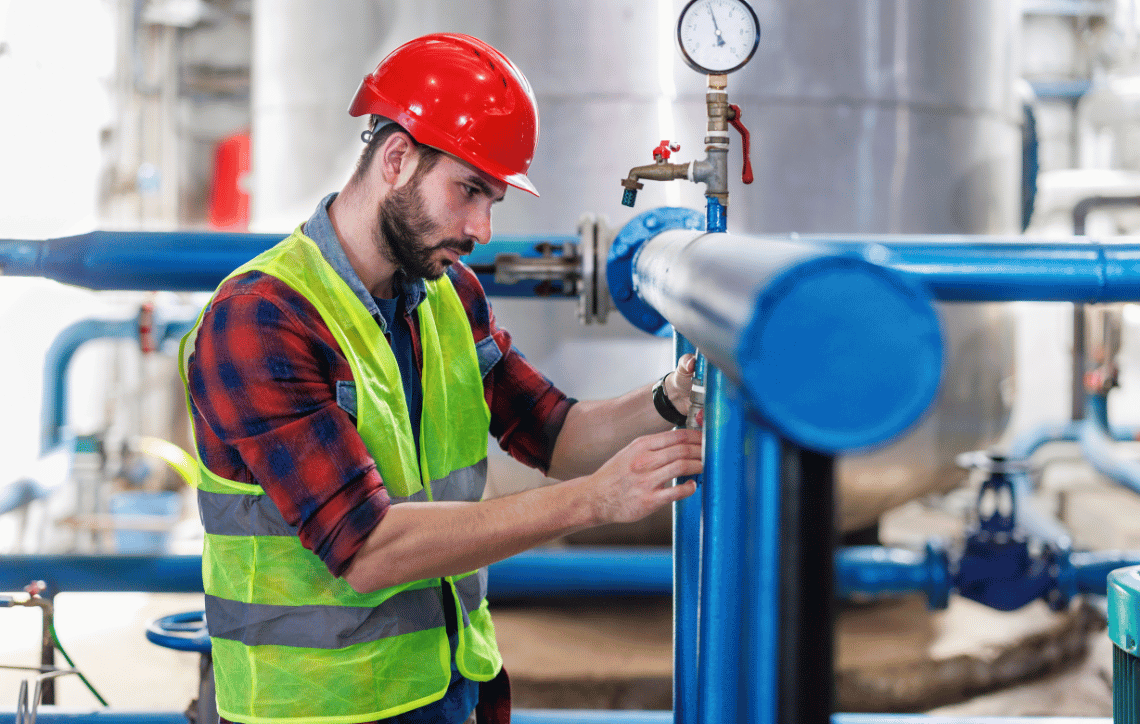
(262, 382)
(527, 410)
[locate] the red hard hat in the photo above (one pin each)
(460, 95)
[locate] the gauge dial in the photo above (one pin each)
(717, 36)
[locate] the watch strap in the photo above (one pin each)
(664, 405)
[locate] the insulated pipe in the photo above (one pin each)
(773, 315)
(1098, 445)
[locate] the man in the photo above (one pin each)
(342, 386)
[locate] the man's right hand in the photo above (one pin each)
(638, 480)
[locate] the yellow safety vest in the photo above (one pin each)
(292, 643)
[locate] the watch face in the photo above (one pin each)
(717, 36)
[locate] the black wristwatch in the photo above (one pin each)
(665, 406)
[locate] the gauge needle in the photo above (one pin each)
(719, 37)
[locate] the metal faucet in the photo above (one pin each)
(713, 170)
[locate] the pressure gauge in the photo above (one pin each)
(717, 36)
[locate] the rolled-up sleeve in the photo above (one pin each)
(263, 383)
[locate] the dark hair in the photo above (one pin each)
(429, 155)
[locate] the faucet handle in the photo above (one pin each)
(746, 139)
(664, 150)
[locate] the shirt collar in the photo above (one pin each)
(320, 229)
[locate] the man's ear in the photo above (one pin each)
(397, 159)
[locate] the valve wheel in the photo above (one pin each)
(180, 631)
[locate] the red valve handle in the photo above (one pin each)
(746, 139)
(664, 149)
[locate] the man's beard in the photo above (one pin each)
(402, 229)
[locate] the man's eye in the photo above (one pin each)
(471, 191)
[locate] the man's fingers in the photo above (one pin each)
(673, 493)
(680, 436)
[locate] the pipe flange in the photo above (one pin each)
(623, 258)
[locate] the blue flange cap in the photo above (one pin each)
(841, 354)
(1124, 609)
(623, 257)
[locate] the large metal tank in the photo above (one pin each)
(871, 116)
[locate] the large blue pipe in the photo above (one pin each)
(773, 314)
(194, 261)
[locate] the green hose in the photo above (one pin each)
(71, 663)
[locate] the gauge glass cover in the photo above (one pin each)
(717, 36)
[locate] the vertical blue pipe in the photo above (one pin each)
(686, 589)
(763, 475)
(722, 599)
(715, 217)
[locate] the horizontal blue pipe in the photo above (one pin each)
(1030, 441)
(771, 313)
(1091, 568)
(54, 715)
(85, 574)
(867, 570)
(192, 261)
(605, 571)
(1005, 269)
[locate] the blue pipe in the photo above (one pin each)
(1005, 269)
(721, 660)
(82, 574)
(764, 480)
(18, 494)
(193, 261)
(582, 572)
(56, 363)
(58, 360)
(859, 570)
(686, 583)
(716, 217)
(1097, 444)
(874, 571)
(56, 715)
(770, 315)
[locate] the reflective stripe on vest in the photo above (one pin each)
(293, 644)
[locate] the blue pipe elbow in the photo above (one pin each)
(1097, 445)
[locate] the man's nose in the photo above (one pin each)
(479, 225)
